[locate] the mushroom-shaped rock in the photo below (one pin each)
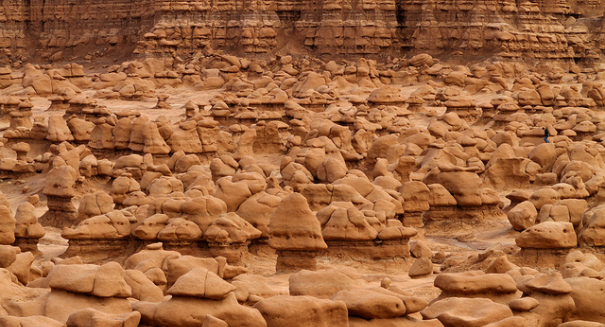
(60, 182)
(22, 149)
(295, 233)
(185, 138)
(59, 190)
(132, 163)
(553, 295)
(162, 103)
(548, 235)
(293, 226)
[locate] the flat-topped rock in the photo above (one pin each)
(548, 235)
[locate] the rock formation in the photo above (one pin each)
(295, 233)
(334, 163)
(60, 190)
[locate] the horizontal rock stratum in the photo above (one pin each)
(58, 29)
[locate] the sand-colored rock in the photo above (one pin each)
(323, 284)
(523, 215)
(390, 129)
(7, 226)
(213, 286)
(422, 267)
(231, 228)
(30, 321)
(466, 312)
(378, 303)
(585, 292)
(548, 235)
(293, 226)
(283, 309)
(102, 281)
(87, 317)
(500, 288)
(189, 311)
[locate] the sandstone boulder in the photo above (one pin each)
(522, 216)
(7, 225)
(324, 284)
(88, 317)
(548, 235)
(293, 226)
(466, 312)
(26, 222)
(201, 283)
(306, 310)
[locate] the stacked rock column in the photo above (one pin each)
(296, 234)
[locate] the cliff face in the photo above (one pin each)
(51, 29)
(547, 29)
(324, 27)
(47, 29)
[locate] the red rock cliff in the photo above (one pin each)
(54, 29)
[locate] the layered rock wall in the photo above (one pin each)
(51, 29)
(57, 29)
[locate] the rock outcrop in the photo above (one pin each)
(536, 30)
